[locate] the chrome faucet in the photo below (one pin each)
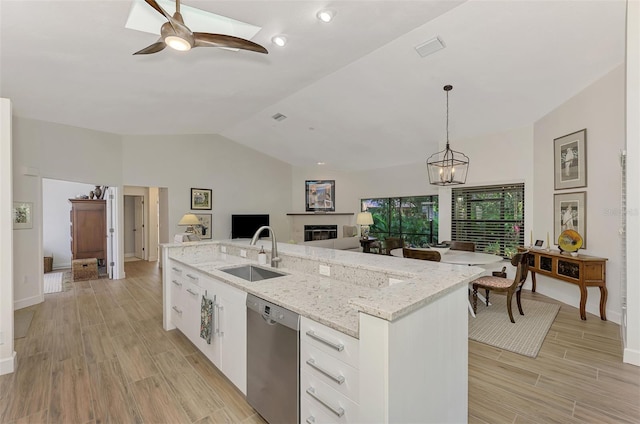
(274, 244)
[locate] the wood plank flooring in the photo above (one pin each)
(97, 353)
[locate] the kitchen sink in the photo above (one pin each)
(252, 272)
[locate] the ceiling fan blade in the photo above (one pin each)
(159, 8)
(154, 48)
(205, 39)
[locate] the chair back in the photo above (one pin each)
(521, 262)
(467, 246)
(427, 255)
(391, 243)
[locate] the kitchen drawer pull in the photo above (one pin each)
(311, 420)
(337, 346)
(177, 283)
(176, 269)
(193, 292)
(192, 277)
(337, 378)
(175, 308)
(339, 411)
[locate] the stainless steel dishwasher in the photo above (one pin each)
(273, 345)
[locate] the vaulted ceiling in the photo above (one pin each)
(355, 92)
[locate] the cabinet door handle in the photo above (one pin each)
(219, 308)
(311, 420)
(192, 292)
(176, 269)
(177, 283)
(337, 346)
(175, 308)
(192, 277)
(339, 411)
(337, 378)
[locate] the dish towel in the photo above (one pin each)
(206, 319)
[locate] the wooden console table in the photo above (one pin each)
(582, 270)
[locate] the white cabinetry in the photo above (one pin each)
(228, 348)
(329, 375)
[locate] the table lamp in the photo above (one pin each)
(364, 219)
(189, 220)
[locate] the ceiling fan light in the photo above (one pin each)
(279, 40)
(177, 43)
(325, 15)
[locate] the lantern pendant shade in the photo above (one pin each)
(448, 167)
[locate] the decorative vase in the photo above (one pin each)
(91, 195)
(98, 192)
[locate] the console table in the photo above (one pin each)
(582, 270)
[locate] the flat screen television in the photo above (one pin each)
(245, 226)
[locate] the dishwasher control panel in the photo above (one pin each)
(273, 312)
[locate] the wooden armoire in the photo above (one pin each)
(89, 229)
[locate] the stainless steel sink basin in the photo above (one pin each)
(252, 272)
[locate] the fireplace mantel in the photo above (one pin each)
(299, 219)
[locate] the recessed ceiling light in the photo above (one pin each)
(321, 163)
(279, 40)
(326, 15)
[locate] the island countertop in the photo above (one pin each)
(379, 285)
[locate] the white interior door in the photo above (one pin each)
(138, 227)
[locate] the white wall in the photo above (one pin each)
(7, 355)
(55, 218)
(243, 180)
(632, 349)
(600, 108)
(47, 150)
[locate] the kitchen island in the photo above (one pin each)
(406, 321)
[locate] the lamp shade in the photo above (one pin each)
(189, 219)
(364, 218)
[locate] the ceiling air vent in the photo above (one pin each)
(279, 117)
(429, 47)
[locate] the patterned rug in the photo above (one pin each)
(493, 327)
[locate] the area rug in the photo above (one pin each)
(493, 327)
(53, 282)
(21, 322)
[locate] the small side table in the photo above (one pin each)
(366, 243)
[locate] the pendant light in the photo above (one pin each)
(448, 167)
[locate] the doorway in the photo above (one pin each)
(134, 228)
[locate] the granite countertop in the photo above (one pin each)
(408, 284)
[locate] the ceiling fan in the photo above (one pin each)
(178, 36)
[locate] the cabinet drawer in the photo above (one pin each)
(313, 414)
(335, 373)
(191, 296)
(330, 341)
(321, 397)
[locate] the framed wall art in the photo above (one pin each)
(201, 199)
(205, 230)
(22, 215)
(320, 195)
(570, 213)
(570, 160)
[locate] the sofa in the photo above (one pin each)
(344, 243)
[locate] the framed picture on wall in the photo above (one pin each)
(201, 199)
(205, 230)
(570, 213)
(320, 195)
(570, 160)
(22, 215)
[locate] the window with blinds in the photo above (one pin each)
(491, 216)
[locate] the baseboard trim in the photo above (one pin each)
(631, 357)
(8, 365)
(30, 301)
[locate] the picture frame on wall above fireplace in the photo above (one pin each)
(320, 195)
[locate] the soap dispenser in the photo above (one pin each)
(262, 256)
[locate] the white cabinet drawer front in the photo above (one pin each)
(313, 414)
(334, 404)
(191, 296)
(328, 340)
(335, 373)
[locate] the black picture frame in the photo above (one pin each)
(539, 243)
(320, 195)
(570, 160)
(201, 199)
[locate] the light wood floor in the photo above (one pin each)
(97, 353)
